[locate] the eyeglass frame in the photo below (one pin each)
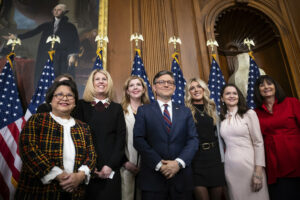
(163, 82)
(63, 96)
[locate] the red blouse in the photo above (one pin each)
(281, 133)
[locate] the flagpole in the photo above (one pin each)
(178, 96)
(216, 79)
(138, 68)
(11, 124)
(102, 27)
(253, 74)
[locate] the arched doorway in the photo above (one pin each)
(230, 22)
(236, 23)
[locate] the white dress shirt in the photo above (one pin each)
(162, 107)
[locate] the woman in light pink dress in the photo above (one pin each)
(244, 155)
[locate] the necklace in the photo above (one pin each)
(133, 110)
(200, 112)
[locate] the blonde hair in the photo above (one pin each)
(209, 104)
(126, 97)
(89, 91)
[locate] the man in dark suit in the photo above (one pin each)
(65, 51)
(166, 138)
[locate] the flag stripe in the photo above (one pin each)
(11, 123)
(4, 188)
(14, 131)
(6, 177)
(9, 158)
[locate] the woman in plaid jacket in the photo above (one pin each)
(56, 150)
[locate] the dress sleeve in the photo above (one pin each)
(296, 108)
(256, 137)
(37, 162)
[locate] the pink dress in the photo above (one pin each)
(244, 150)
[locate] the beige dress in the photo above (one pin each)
(244, 150)
(128, 179)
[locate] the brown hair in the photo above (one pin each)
(242, 106)
(126, 97)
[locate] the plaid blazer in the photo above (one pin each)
(41, 148)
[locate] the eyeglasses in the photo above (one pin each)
(60, 96)
(163, 82)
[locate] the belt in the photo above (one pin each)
(208, 145)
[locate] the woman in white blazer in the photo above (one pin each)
(135, 95)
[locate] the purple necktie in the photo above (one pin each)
(167, 118)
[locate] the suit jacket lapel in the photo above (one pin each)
(175, 109)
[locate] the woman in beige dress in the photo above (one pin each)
(135, 95)
(244, 155)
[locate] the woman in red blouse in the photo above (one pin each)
(279, 118)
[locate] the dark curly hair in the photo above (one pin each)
(242, 106)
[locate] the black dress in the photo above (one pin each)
(207, 166)
(108, 132)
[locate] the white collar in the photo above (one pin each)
(64, 122)
(161, 104)
(103, 101)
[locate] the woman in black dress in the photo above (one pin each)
(106, 120)
(208, 168)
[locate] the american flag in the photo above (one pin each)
(139, 70)
(99, 60)
(178, 96)
(46, 80)
(11, 124)
(215, 82)
(254, 74)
